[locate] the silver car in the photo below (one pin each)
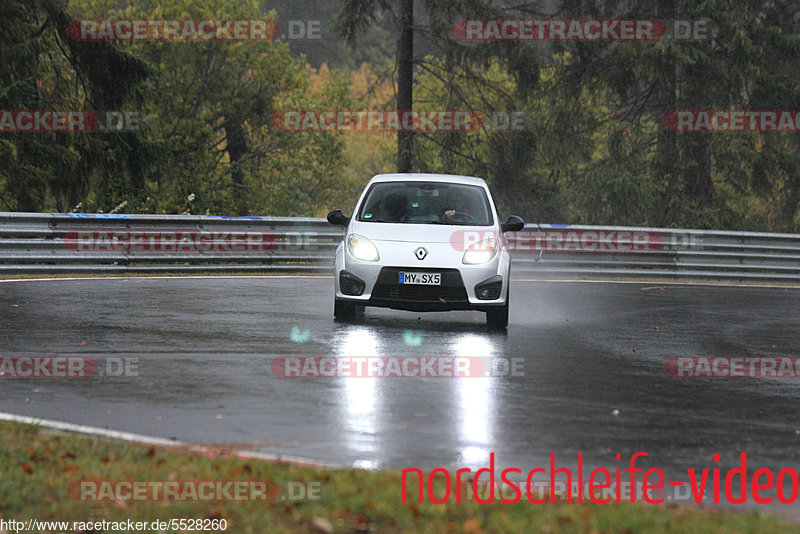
(424, 242)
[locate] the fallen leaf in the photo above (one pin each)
(322, 525)
(472, 526)
(214, 513)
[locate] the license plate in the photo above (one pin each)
(421, 279)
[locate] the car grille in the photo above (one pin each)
(451, 289)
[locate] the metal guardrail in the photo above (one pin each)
(39, 243)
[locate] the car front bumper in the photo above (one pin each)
(463, 287)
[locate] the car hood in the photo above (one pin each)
(417, 233)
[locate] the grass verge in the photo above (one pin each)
(38, 466)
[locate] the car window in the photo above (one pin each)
(426, 203)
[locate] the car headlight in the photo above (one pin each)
(481, 252)
(362, 248)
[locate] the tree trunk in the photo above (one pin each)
(405, 84)
(701, 186)
(236, 147)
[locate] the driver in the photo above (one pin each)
(456, 203)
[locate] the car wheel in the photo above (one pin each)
(498, 318)
(347, 310)
(343, 310)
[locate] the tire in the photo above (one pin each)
(343, 310)
(498, 319)
(347, 311)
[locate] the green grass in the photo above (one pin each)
(38, 466)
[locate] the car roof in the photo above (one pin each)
(423, 177)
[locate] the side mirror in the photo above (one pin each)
(338, 218)
(513, 224)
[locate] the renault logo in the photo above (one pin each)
(420, 253)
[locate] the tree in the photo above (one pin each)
(623, 165)
(745, 65)
(212, 105)
(46, 70)
(354, 17)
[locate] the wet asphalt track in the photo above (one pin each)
(594, 379)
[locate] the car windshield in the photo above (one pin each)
(426, 203)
